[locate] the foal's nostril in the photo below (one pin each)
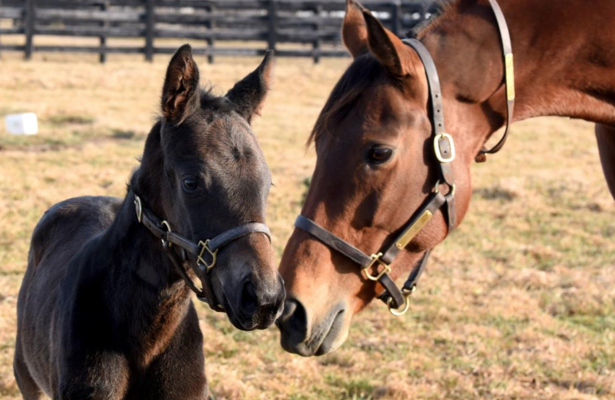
(249, 302)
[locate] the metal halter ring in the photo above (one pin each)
(436, 189)
(214, 255)
(166, 224)
(376, 259)
(406, 294)
(139, 209)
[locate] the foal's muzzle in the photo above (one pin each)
(204, 249)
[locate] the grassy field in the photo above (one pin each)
(519, 303)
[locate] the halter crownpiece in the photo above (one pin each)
(398, 300)
(162, 230)
(509, 75)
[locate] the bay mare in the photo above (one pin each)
(374, 143)
(102, 311)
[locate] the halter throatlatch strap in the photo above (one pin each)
(509, 76)
(171, 240)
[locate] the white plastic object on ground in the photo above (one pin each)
(22, 124)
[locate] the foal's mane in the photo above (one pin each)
(364, 71)
(213, 102)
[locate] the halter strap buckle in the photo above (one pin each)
(376, 258)
(444, 147)
(213, 253)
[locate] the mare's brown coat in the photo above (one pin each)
(565, 66)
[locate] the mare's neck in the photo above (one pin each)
(563, 66)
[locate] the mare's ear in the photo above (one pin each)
(181, 86)
(249, 94)
(354, 29)
(392, 53)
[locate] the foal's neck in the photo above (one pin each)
(564, 62)
(138, 252)
(147, 295)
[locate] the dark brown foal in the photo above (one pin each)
(105, 311)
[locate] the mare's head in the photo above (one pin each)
(375, 167)
(204, 172)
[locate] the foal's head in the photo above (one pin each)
(204, 173)
(375, 167)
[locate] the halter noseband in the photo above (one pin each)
(398, 300)
(162, 230)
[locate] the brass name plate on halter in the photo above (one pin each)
(510, 77)
(412, 230)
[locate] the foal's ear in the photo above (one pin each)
(181, 86)
(392, 53)
(249, 94)
(354, 29)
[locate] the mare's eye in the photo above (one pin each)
(190, 184)
(379, 155)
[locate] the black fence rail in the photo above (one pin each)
(311, 27)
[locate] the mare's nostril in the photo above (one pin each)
(290, 307)
(294, 319)
(249, 301)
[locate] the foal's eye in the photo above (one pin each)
(379, 155)
(190, 184)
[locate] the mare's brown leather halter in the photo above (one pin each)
(170, 240)
(444, 149)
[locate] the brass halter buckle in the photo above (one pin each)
(214, 256)
(406, 294)
(376, 259)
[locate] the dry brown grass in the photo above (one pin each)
(518, 303)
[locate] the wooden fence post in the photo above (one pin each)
(103, 39)
(30, 18)
(273, 24)
(0, 40)
(318, 42)
(210, 26)
(396, 16)
(150, 21)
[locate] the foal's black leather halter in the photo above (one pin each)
(170, 240)
(444, 150)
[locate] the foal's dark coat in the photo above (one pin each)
(102, 313)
